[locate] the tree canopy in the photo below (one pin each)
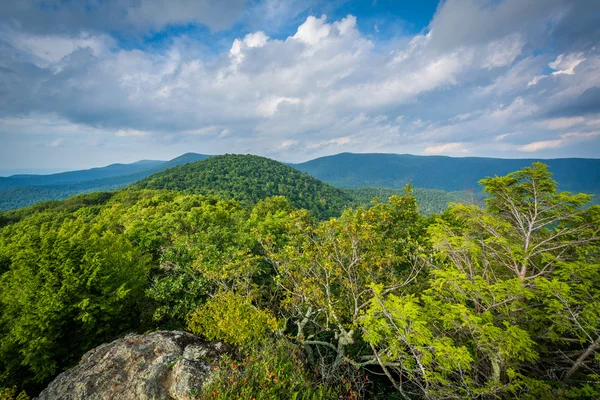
(494, 300)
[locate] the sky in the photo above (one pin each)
(93, 82)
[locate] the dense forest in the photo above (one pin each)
(494, 298)
(249, 179)
(430, 201)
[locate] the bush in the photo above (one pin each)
(232, 318)
(11, 394)
(273, 372)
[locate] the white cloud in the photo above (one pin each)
(461, 84)
(204, 131)
(446, 148)
(157, 13)
(269, 106)
(565, 65)
(519, 108)
(57, 142)
(132, 133)
(535, 80)
(503, 52)
(337, 142)
(50, 49)
(224, 133)
(562, 123)
(564, 140)
(287, 144)
(503, 136)
(541, 145)
(313, 30)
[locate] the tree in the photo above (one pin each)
(72, 283)
(510, 286)
(326, 271)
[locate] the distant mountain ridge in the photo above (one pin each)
(33, 189)
(77, 176)
(350, 170)
(345, 170)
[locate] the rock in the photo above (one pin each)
(159, 365)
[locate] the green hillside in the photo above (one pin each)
(249, 179)
(26, 190)
(440, 172)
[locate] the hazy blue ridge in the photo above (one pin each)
(450, 174)
(26, 195)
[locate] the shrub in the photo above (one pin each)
(232, 318)
(273, 372)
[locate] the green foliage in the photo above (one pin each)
(72, 282)
(494, 302)
(250, 179)
(274, 371)
(430, 201)
(518, 283)
(78, 273)
(234, 319)
(11, 394)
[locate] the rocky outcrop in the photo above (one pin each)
(155, 366)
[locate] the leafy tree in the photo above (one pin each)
(326, 273)
(70, 284)
(508, 291)
(234, 319)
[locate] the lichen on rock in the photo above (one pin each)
(156, 366)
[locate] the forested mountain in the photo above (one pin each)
(490, 301)
(440, 172)
(25, 190)
(249, 179)
(458, 176)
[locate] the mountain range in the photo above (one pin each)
(371, 172)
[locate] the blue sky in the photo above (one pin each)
(92, 82)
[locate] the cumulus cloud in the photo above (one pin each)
(474, 74)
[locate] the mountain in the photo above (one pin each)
(445, 173)
(183, 159)
(453, 178)
(33, 189)
(78, 176)
(249, 179)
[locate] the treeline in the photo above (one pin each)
(430, 201)
(500, 301)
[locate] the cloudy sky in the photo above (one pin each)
(89, 83)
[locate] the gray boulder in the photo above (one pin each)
(156, 366)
